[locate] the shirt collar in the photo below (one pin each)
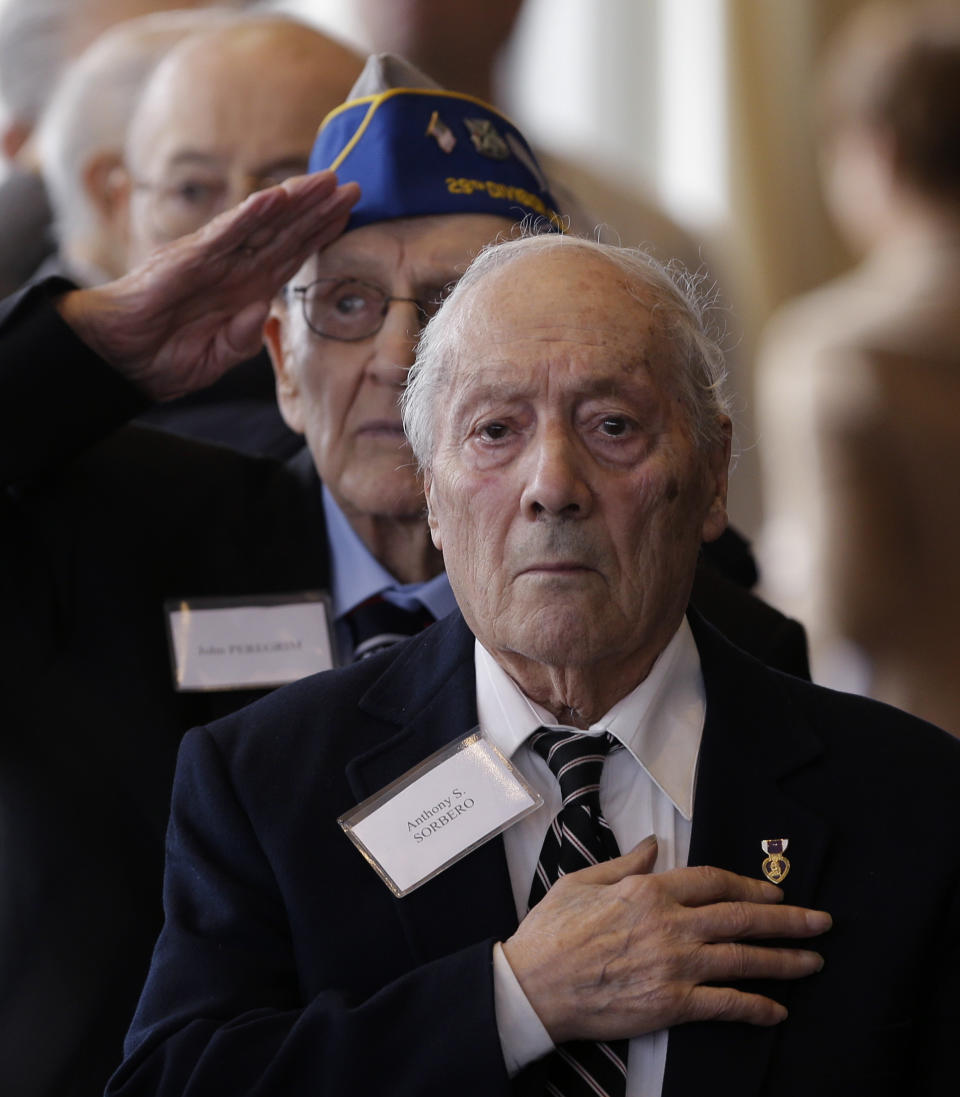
(660, 722)
(356, 574)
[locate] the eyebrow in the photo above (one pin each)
(190, 157)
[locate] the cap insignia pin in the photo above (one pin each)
(776, 866)
(486, 140)
(441, 133)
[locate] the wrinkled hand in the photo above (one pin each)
(611, 952)
(197, 306)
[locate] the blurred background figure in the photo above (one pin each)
(81, 139)
(859, 381)
(38, 39)
(460, 45)
(227, 112)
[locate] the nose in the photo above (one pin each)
(395, 344)
(556, 485)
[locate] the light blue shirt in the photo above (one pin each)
(356, 575)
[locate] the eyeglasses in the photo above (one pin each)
(348, 310)
(180, 206)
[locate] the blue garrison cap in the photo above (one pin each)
(420, 150)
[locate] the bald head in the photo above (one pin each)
(225, 113)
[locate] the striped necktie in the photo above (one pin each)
(579, 836)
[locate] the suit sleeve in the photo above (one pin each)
(56, 395)
(223, 1010)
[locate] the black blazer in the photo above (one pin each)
(285, 965)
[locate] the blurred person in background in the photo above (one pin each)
(859, 381)
(38, 39)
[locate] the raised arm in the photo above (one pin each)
(196, 307)
(76, 364)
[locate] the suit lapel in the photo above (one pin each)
(429, 692)
(754, 745)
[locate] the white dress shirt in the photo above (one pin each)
(648, 788)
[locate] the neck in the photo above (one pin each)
(401, 545)
(577, 695)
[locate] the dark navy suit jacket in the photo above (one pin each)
(286, 966)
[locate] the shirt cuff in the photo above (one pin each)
(522, 1035)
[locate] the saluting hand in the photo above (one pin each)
(197, 306)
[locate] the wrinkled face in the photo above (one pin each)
(564, 488)
(344, 395)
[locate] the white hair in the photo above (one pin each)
(94, 101)
(668, 291)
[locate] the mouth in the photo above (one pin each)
(557, 567)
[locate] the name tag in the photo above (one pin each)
(254, 642)
(438, 812)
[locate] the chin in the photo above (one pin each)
(384, 493)
(558, 638)
(397, 506)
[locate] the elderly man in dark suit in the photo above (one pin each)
(620, 938)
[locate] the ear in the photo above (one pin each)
(107, 185)
(13, 138)
(288, 388)
(432, 522)
(715, 520)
